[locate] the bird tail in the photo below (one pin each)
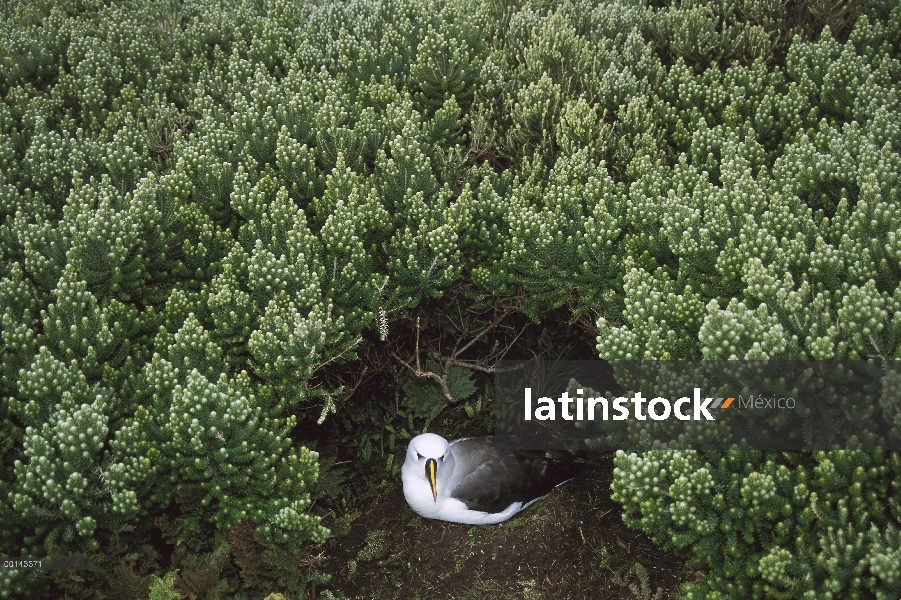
(569, 467)
(560, 456)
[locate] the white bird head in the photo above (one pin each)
(428, 451)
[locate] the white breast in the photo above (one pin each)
(418, 494)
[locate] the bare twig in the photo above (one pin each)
(346, 396)
(472, 365)
(336, 356)
(441, 381)
(876, 346)
(487, 320)
(417, 344)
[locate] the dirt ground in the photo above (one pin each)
(571, 544)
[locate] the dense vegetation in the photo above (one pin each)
(208, 204)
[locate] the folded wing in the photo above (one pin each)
(490, 479)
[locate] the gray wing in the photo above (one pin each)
(492, 478)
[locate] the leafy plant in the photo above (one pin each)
(163, 588)
(210, 208)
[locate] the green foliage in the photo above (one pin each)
(163, 588)
(771, 525)
(778, 219)
(423, 400)
(213, 434)
(205, 205)
(447, 65)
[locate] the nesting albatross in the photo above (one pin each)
(474, 482)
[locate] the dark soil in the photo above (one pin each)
(571, 544)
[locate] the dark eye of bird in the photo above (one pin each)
(418, 455)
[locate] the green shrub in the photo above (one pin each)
(205, 204)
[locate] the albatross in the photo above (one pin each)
(472, 481)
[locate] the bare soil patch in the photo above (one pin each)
(571, 544)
